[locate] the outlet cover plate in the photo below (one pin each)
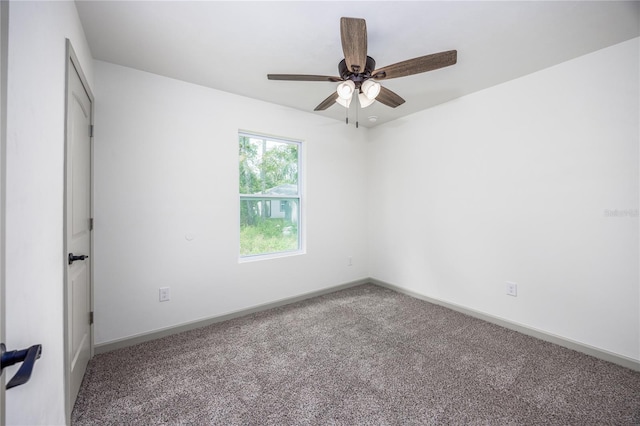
(512, 289)
(165, 294)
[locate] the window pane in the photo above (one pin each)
(268, 167)
(269, 196)
(268, 226)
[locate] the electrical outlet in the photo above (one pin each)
(512, 289)
(165, 294)
(350, 261)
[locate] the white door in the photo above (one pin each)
(78, 229)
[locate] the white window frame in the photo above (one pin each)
(300, 198)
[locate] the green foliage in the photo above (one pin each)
(268, 236)
(248, 166)
(266, 164)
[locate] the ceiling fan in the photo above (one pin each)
(358, 73)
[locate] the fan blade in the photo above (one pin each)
(389, 98)
(302, 77)
(417, 65)
(327, 102)
(353, 32)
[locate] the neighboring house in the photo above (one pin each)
(283, 208)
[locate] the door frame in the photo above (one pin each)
(4, 52)
(73, 65)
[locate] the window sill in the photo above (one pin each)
(259, 257)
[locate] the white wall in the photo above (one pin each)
(166, 165)
(512, 184)
(4, 33)
(34, 198)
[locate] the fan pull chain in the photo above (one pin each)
(357, 108)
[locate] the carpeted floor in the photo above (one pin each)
(365, 355)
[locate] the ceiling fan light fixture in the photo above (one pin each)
(364, 100)
(358, 72)
(345, 89)
(371, 89)
(344, 102)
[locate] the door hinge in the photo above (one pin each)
(91, 318)
(90, 224)
(91, 130)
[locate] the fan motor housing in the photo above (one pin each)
(359, 78)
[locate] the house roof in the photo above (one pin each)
(284, 189)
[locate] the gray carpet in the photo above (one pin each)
(365, 355)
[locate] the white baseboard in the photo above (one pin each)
(529, 331)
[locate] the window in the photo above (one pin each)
(270, 195)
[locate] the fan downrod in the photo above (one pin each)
(357, 78)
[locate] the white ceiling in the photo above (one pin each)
(232, 46)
